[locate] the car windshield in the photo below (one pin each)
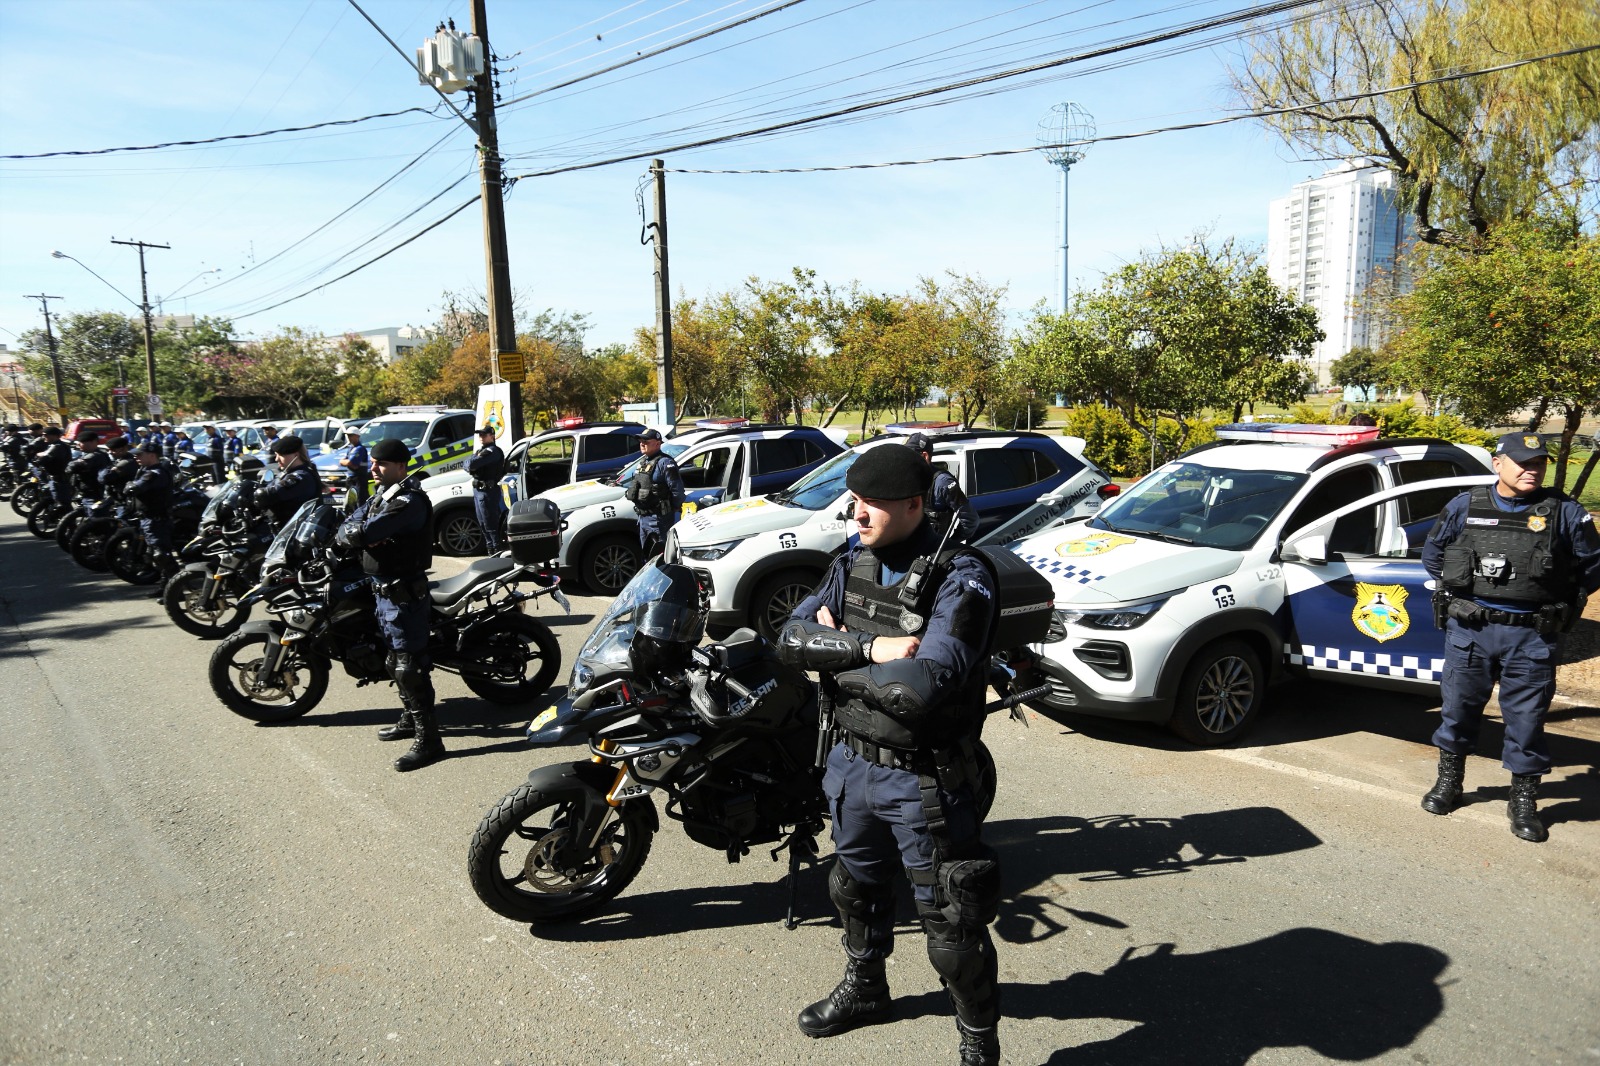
(407, 433)
(314, 435)
(1193, 503)
(628, 471)
(823, 486)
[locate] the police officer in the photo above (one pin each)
(945, 500)
(394, 532)
(53, 459)
(182, 446)
(216, 450)
(269, 437)
(907, 682)
(232, 446)
(296, 483)
(152, 487)
(357, 463)
(656, 493)
(11, 446)
(86, 469)
(486, 468)
(1514, 563)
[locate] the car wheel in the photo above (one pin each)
(1221, 694)
(776, 598)
(457, 533)
(610, 563)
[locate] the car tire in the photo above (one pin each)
(777, 597)
(1220, 695)
(457, 533)
(609, 563)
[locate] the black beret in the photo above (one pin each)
(889, 473)
(390, 450)
(290, 445)
(56, 430)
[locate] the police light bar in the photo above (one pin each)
(567, 423)
(1297, 433)
(415, 409)
(722, 423)
(932, 429)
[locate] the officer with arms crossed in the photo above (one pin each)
(357, 463)
(152, 488)
(486, 467)
(656, 493)
(394, 530)
(1514, 563)
(908, 688)
(53, 459)
(296, 483)
(945, 500)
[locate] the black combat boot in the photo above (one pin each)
(427, 748)
(404, 729)
(979, 1047)
(862, 998)
(1446, 791)
(1523, 809)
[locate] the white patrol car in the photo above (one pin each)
(759, 557)
(1279, 548)
(440, 439)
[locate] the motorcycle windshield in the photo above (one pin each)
(662, 601)
(222, 505)
(312, 525)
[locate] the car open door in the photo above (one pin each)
(1357, 599)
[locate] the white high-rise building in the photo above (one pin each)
(1328, 241)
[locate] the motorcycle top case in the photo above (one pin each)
(1025, 604)
(533, 530)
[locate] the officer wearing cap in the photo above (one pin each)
(296, 483)
(168, 440)
(656, 493)
(357, 463)
(269, 436)
(232, 446)
(53, 459)
(394, 532)
(945, 502)
(1514, 563)
(907, 683)
(486, 468)
(152, 488)
(216, 450)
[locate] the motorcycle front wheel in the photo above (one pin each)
(67, 527)
(8, 483)
(127, 558)
(184, 597)
(297, 686)
(89, 543)
(42, 521)
(524, 867)
(26, 498)
(523, 655)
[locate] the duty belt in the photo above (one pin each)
(894, 758)
(1548, 619)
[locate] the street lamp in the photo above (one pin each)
(113, 288)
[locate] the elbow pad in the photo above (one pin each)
(350, 535)
(814, 646)
(903, 689)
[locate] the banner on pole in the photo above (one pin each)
(494, 409)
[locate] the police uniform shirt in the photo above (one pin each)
(957, 631)
(400, 511)
(357, 456)
(215, 446)
(947, 498)
(486, 467)
(153, 489)
(55, 457)
(233, 445)
(668, 481)
(284, 494)
(1575, 531)
(95, 464)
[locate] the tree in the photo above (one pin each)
(1467, 154)
(973, 343)
(291, 372)
(1359, 368)
(774, 328)
(1507, 326)
(365, 386)
(91, 347)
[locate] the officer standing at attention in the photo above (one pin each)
(152, 487)
(1514, 563)
(357, 463)
(88, 466)
(908, 687)
(232, 447)
(269, 437)
(656, 493)
(217, 452)
(53, 459)
(945, 500)
(11, 446)
(486, 467)
(296, 483)
(394, 532)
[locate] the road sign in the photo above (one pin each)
(152, 403)
(512, 367)
(121, 391)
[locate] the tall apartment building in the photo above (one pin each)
(395, 342)
(1327, 242)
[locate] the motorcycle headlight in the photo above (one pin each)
(1130, 617)
(707, 552)
(579, 682)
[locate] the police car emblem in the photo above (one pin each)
(1536, 523)
(910, 621)
(1098, 544)
(1380, 611)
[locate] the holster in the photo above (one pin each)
(401, 590)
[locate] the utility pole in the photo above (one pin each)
(55, 359)
(502, 322)
(154, 400)
(663, 299)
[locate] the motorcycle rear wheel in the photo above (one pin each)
(182, 599)
(127, 557)
(299, 685)
(26, 498)
(517, 645)
(89, 543)
(513, 859)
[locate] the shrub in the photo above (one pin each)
(1113, 445)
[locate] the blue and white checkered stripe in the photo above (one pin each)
(1365, 662)
(1061, 568)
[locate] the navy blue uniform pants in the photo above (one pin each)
(157, 533)
(652, 533)
(360, 484)
(404, 625)
(490, 506)
(1524, 662)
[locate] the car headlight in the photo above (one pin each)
(1130, 617)
(707, 552)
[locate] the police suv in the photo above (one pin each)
(1277, 549)
(571, 450)
(440, 439)
(601, 541)
(760, 556)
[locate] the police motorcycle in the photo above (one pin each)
(220, 565)
(322, 608)
(125, 552)
(730, 737)
(31, 493)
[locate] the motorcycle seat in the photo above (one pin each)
(448, 592)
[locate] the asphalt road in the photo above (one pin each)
(181, 885)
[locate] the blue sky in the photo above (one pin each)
(90, 74)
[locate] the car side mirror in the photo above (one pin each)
(848, 514)
(1311, 548)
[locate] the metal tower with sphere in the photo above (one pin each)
(1063, 133)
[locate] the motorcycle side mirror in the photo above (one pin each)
(848, 513)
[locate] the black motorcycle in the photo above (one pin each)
(125, 552)
(222, 564)
(32, 492)
(321, 604)
(726, 733)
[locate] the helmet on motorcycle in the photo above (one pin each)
(669, 626)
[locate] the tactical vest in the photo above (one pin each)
(642, 489)
(1509, 556)
(409, 556)
(873, 608)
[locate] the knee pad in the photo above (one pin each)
(867, 912)
(970, 888)
(966, 964)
